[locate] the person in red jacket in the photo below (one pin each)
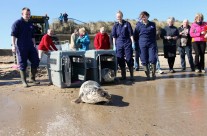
(46, 45)
(101, 40)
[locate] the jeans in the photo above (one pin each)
(136, 60)
(199, 48)
(158, 64)
(188, 50)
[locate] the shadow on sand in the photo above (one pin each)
(116, 101)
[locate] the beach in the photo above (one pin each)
(175, 104)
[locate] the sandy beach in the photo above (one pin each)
(172, 105)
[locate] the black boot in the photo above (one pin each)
(23, 78)
(32, 76)
(153, 71)
(147, 72)
(123, 74)
(131, 70)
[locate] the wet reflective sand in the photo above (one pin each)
(173, 105)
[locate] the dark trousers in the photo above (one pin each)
(171, 61)
(125, 54)
(148, 54)
(199, 48)
(24, 54)
(186, 50)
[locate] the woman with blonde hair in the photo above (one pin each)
(169, 35)
(198, 32)
(83, 40)
(122, 34)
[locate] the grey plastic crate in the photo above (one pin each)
(68, 68)
(96, 60)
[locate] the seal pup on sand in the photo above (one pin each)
(92, 92)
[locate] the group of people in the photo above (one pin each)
(81, 41)
(63, 18)
(143, 40)
(125, 40)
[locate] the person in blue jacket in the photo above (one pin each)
(83, 40)
(145, 38)
(122, 34)
(23, 43)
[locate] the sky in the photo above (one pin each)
(95, 10)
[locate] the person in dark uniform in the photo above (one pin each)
(170, 35)
(122, 34)
(23, 42)
(145, 38)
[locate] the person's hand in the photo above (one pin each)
(174, 38)
(203, 32)
(13, 48)
(205, 36)
(167, 37)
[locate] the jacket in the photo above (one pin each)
(188, 37)
(73, 39)
(101, 41)
(46, 43)
(195, 32)
(83, 42)
(145, 34)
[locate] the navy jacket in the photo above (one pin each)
(145, 34)
(122, 32)
(24, 32)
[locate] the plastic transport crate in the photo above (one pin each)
(68, 68)
(99, 60)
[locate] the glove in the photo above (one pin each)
(133, 46)
(114, 47)
(13, 48)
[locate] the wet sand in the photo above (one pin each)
(172, 105)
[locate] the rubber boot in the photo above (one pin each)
(153, 71)
(147, 72)
(123, 74)
(131, 70)
(23, 78)
(32, 76)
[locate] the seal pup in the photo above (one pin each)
(91, 92)
(108, 75)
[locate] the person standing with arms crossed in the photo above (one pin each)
(197, 32)
(122, 34)
(23, 42)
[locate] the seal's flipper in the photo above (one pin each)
(77, 101)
